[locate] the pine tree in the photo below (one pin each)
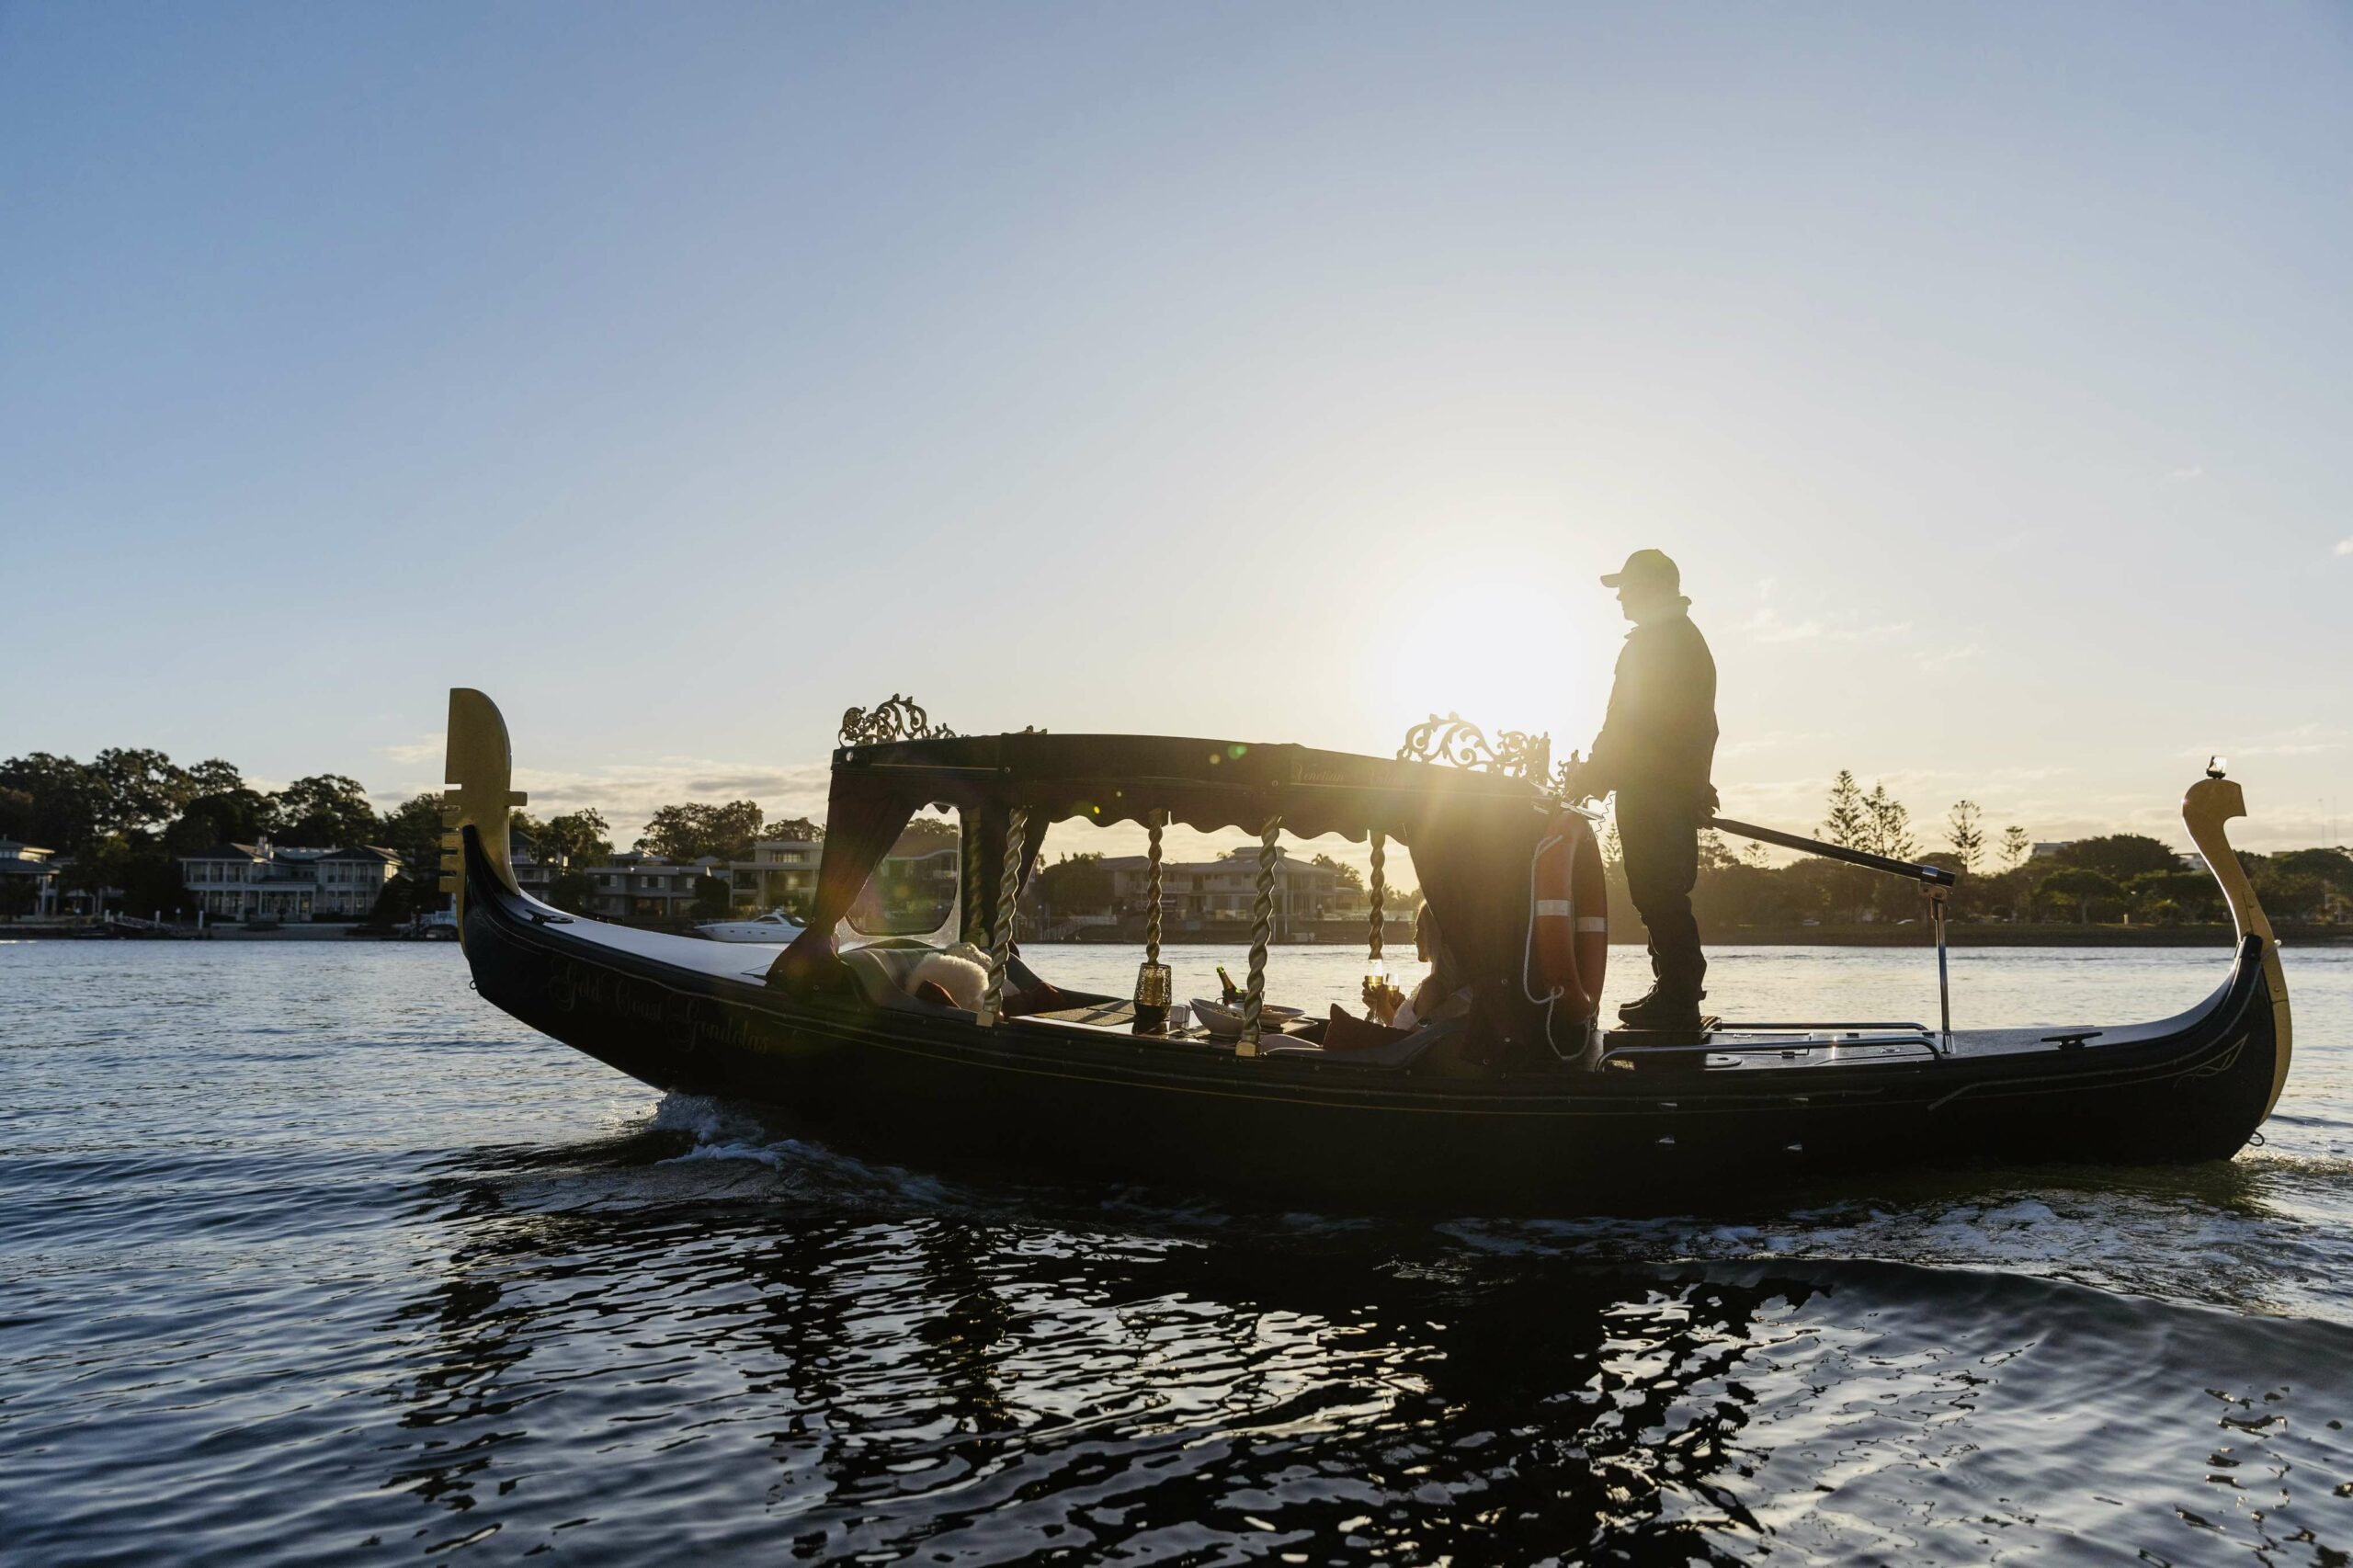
(1887, 826)
(1968, 839)
(1846, 824)
(2015, 846)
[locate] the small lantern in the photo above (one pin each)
(1155, 985)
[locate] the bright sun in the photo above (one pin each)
(1498, 646)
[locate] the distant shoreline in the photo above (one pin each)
(2004, 935)
(1989, 934)
(1985, 935)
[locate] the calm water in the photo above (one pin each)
(306, 1255)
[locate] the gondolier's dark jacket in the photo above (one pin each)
(1659, 737)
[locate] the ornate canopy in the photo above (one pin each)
(1204, 784)
(1471, 832)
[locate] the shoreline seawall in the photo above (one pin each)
(1626, 932)
(1347, 934)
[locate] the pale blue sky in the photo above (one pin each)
(684, 375)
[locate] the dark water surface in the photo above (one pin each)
(306, 1255)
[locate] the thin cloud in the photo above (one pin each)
(1767, 625)
(2345, 547)
(2305, 740)
(2185, 475)
(1770, 741)
(628, 794)
(425, 748)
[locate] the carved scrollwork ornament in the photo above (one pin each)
(1455, 742)
(898, 719)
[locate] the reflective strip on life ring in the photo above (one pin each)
(1570, 914)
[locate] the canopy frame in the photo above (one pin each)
(1470, 830)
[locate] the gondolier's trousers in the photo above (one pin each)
(1659, 831)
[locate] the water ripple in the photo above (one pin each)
(331, 1263)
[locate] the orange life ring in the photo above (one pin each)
(1571, 917)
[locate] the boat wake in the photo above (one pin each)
(2146, 1245)
(2209, 1236)
(721, 1131)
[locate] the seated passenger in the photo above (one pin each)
(1439, 992)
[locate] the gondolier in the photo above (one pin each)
(1656, 748)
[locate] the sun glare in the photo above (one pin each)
(1505, 652)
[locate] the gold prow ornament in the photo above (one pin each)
(479, 767)
(2211, 802)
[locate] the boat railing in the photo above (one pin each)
(1745, 1027)
(1935, 883)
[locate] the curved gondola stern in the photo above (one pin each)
(2209, 804)
(479, 770)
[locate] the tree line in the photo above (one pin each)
(124, 819)
(2112, 876)
(126, 816)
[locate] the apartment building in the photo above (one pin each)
(262, 882)
(33, 871)
(781, 873)
(1204, 894)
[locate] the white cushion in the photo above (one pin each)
(961, 970)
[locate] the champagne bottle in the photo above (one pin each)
(1232, 991)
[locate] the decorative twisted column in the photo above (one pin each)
(1154, 987)
(1009, 894)
(1378, 893)
(1152, 892)
(1262, 931)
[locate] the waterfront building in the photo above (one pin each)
(637, 886)
(26, 866)
(264, 881)
(781, 874)
(532, 875)
(782, 871)
(916, 886)
(1197, 895)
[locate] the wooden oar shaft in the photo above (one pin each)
(1936, 875)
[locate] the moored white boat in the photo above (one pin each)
(775, 926)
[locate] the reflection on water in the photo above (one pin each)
(977, 1376)
(348, 1268)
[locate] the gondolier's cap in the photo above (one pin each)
(1647, 569)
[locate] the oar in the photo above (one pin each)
(1935, 875)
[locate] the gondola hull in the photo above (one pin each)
(1735, 1114)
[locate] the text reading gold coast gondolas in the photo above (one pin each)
(1520, 1097)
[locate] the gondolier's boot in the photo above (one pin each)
(1647, 999)
(1664, 1010)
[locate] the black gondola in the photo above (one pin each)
(1514, 1099)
